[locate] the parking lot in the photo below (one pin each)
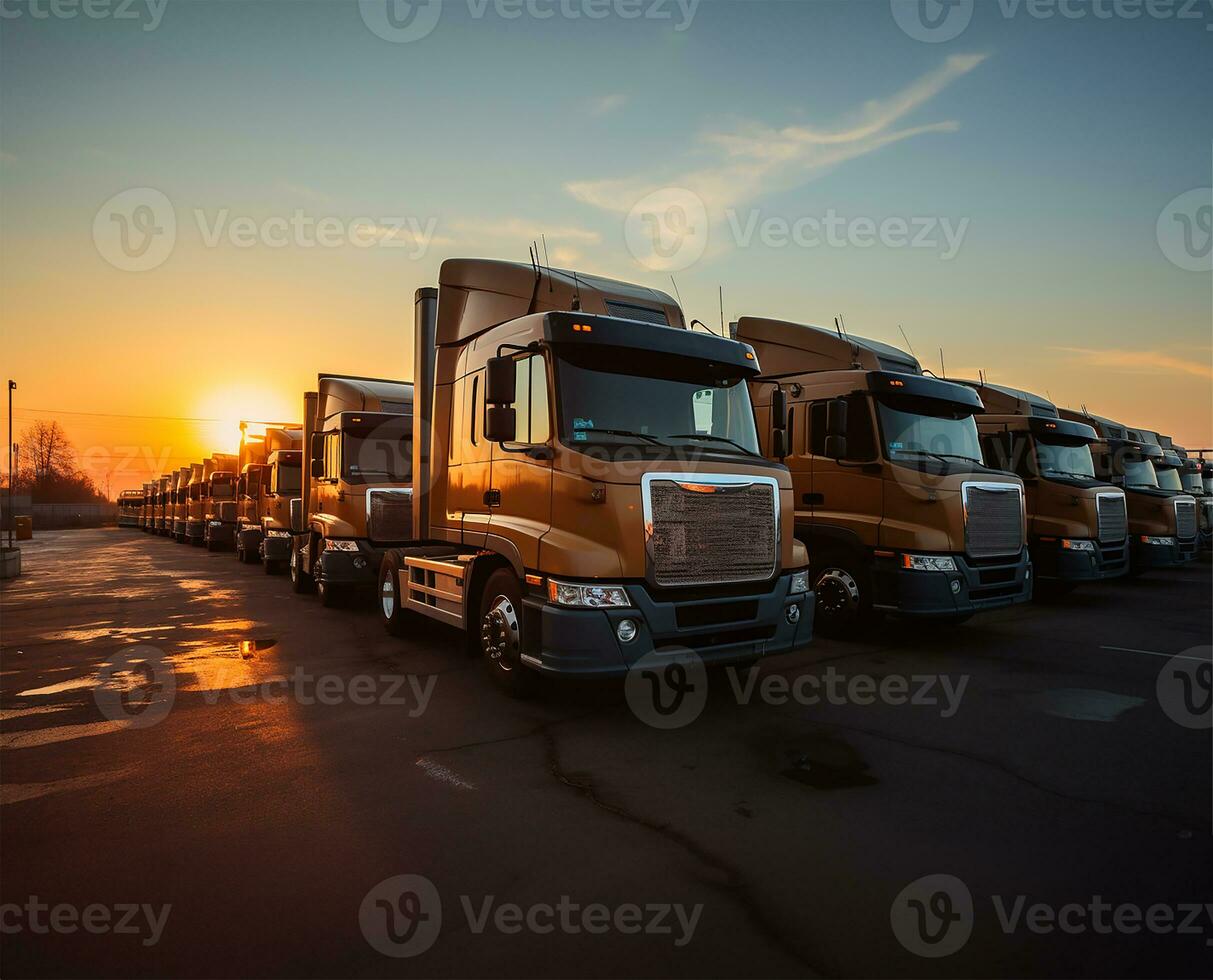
(292, 759)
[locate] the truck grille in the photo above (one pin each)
(226, 511)
(1113, 522)
(993, 519)
(389, 515)
(1185, 519)
(711, 534)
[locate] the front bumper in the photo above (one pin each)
(721, 631)
(971, 588)
(195, 530)
(220, 533)
(350, 568)
(1175, 552)
(1055, 563)
(276, 547)
(248, 537)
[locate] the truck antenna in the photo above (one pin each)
(576, 292)
(838, 327)
(676, 292)
(943, 370)
(907, 340)
(548, 263)
(720, 290)
(981, 376)
(534, 260)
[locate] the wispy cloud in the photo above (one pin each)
(1143, 361)
(754, 158)
(526, 231)
(608, 103)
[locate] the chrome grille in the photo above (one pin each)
(1113, 521)
(1185, 518)
(389, 515)
(711, 533)
(993, 519)
(226, 511)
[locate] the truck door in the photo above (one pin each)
(846, 494)
(520, 493)
(470, 461)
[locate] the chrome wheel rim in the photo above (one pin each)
(837, 591)
(387, 596)
(500, 635)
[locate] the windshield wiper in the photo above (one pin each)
(944, 456)
(625, 433)
(1081, 476)
(710, 438)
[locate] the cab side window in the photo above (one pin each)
(531, 401)
(861, 437)
(332, 456)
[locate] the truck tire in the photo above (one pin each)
(271, 567)
(330, 595)
(391, 601)
(301, 581)
(844, 593)
(500, 631)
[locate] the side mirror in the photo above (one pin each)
(779, 409)
(297, 514)
(317, 469)
(500, 423)
(779, 443)
(501, 379)
(836, 429)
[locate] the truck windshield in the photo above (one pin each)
(1140, 473)
(627, 397)
(290, 479)
(222, 491)
(1191, 482)
(916, 427)
(1168, 479)
(1059, 459)
(379, 450)
(1208, 482)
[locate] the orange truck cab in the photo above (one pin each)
(163, 509)
(130, 504)
(1077, 522)
(220, 504)
(585, 485)
(146, 519)
(1162, 521)
(181, 479)
(269, 478)
(195, 523)
(893, 498)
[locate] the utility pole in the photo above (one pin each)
(11, 387)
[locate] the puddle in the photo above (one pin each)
(221, 667)
(829, 763)
(1082, 704)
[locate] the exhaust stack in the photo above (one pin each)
(424, 357)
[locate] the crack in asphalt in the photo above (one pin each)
(735, 885)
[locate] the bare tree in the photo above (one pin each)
(45, 449)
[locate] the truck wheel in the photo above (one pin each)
(211, 545)
(843, 594)
(501, 635)
(330, 595)
(271, 567)
(391, 599)
(301, 581)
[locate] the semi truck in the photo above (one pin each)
(357, 490)
(130, 506)
(219, 527)
(269, 479)
(180, 495)
(1162, 523)
(1077, 522)
(163, 508)
(585, 484)
(195, 523)
(893, 499)
(146, 516)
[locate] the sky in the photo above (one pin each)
(205, 204)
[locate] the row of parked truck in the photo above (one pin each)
(575, 478)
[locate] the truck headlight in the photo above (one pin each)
(800, 582)
(277, 532)
(215, 523)
(1162, 542)
(1075, 544)
(334, 544)
(928, 563)
(587, 596)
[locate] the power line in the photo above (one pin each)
(112, 415)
